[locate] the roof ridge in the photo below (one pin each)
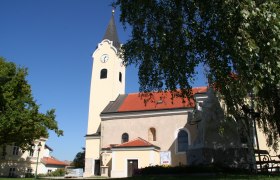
(145, 141)
(135, 139)
(199, 87)
(52, 160)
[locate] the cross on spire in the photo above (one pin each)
(111, 32)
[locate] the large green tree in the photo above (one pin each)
(21, 122)
(238, 43)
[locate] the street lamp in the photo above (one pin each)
(253, 129)
(38, 149)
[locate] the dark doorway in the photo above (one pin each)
(132, 166)
(97, 167)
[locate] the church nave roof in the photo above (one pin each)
(151, 101)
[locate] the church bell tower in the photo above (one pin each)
(107, 82)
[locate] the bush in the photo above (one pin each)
(180, 170)
(29, 175)
(58, 172)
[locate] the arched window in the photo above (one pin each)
(120, 76)
(125, 137)
(182, 141)
(152, 134)
(103, 74)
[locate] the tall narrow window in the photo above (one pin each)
(183, 141)
(120, 76)
(103, 74)
(125, 137)
(152, 134)
(12, 172)
(15, 150)
(3, 151)
(31, 152)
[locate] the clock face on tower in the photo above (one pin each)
(104, 58)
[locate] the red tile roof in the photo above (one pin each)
(53, 161)
(138, 142)
(156, 101)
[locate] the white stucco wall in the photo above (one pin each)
(144, 157)
(167, 128)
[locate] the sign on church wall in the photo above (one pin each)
(165, 158)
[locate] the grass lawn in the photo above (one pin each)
(16, 178)
(183, 177)
(203, 177)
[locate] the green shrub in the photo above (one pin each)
(58, 172)
(167, 170)
(29, 175)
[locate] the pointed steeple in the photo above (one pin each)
(111, 32)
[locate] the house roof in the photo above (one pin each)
(53, 161)
(138, 142)
(111, 32)
(151, 101)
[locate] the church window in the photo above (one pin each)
(125, 137)
(152, 134)
(120, 76)
(103, 74)
(182, 141)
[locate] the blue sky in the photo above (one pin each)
(55, 40)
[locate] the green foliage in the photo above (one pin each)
(79, 161)
(238, 42)
(20, 120)
(180, 170)
(29, 175)
(57, 172)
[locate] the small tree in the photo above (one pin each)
(79, 161)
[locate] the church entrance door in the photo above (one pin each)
(132, 165)
(97, 167)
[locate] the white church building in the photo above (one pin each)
(130, 131)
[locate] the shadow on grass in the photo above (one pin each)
(206, 176)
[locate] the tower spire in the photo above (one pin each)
(111, 32)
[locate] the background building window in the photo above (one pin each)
(15, 150)
(183, 141)
(3, 152)
(12, 172)
(152, 134)
(31, 152)
(120, 76)
(103, 74)
(125, 137)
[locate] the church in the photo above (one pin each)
(130, 131)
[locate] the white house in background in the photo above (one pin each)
(50, 164)
(15, 162)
